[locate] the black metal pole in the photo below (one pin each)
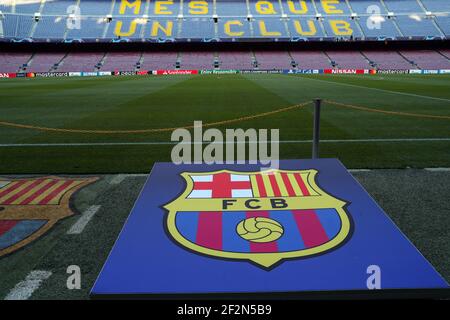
(316, 129)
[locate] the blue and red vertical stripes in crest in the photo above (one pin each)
(216, 230)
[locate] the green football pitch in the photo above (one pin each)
(69, 125)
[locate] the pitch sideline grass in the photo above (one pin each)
(156, 102)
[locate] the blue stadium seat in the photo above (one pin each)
(341, 27)
(90, 28)
(271, 19)
(57, 7)
(415, 25)
(326, 8)
(436, 5)
(269, 27)
(27, 7)
(17, 26)
(305, 28)
(444, 24)
(265, 8)
(297, 8)
(96, 8)
(199, 28)
(234, 28)
(125, 27)
(376, 28)
(232, 8)
(50, 27)
(197, 10)
(402, 6)
(5, 8)
(162, 9)
(161, 28)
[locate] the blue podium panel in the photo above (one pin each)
(233, 229)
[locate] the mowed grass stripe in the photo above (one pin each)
(198, 98)
(155, 102)
(358, 124)
(425, 89)
(67, 106)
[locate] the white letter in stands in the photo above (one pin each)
(265, 32)
(167, 30)
(329, 6)
(124, 4)
(311, 26)
(341, 27)
(302, 10)
(198, 7)
(161, 7)
(227, 28)
(265, 7)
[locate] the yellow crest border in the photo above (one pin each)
(265, 260)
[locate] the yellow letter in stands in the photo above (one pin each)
(227, 28)
(118, 30)
(264, 32)
(265, 7)
(198, 7)
(303, 7)
(341, 28)
(161, 7)
(124, 4)
(329, 6)
(311, 26)
(167, 30)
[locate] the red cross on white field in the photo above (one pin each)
(222, 185)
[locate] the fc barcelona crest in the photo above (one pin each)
(262, 217)
(30, 207)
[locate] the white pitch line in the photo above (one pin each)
(438, 169)
(25, 289)
(359, 170)
(120, 177)
(382, 90)
(86, 216)
(149, 143)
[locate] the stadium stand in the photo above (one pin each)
(236, 60)
(83, 61)
(44, 62)
(388, 60)
(348, 59)
(181, 20)
(121, 61)
(239, 60)
(196, 60)
(311, 59)
(246, 21)
(13, 61)
(426, 59)
(158, 60)
(273, 60)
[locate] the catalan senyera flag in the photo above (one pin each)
(29, 207)
(257, 185)
(41, 191)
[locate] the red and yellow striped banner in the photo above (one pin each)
(281, 184)
(44, 191)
